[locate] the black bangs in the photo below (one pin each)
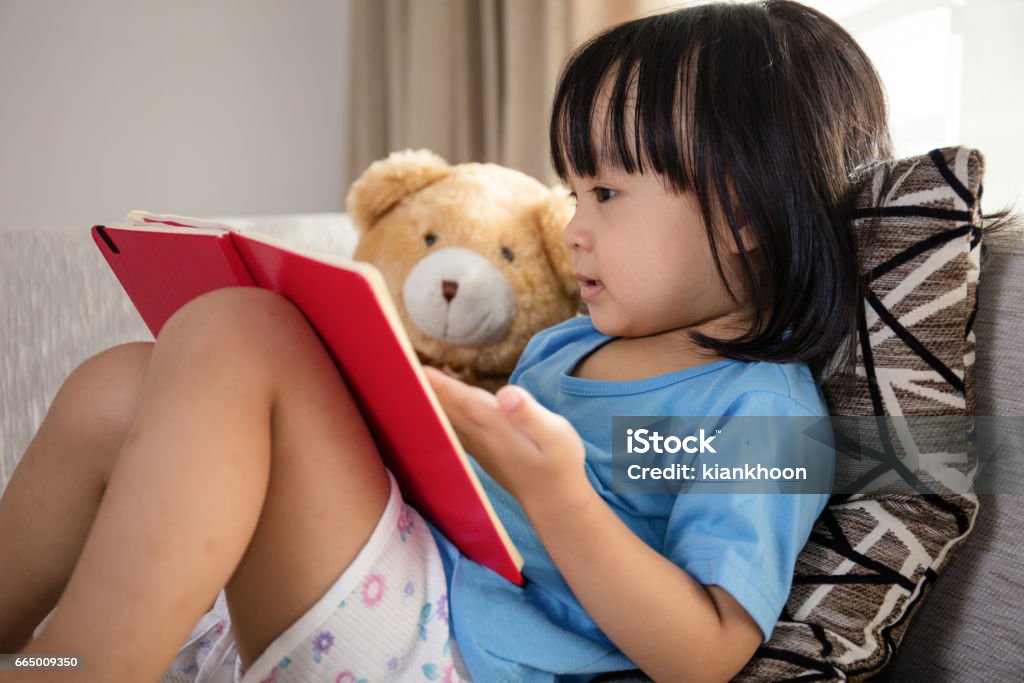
(656, 90)
(633, 77)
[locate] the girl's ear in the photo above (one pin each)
(747, 238)
(746, 233)
(553, 216)
(388, 181)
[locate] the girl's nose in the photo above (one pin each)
(575, 234)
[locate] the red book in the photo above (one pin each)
(163, 262)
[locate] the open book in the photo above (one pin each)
(163, 262)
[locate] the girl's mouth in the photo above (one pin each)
(589, 288)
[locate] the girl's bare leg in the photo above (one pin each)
(238, 388)
(49, 504)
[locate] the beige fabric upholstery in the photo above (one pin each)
(61, 304)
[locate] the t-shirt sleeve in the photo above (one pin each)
(747, 543)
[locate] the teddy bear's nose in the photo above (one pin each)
(448, 289)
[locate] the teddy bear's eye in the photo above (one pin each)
(506, 254)
(430, 238)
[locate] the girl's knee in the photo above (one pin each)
(233, 321)
(106, 386)
(98, 401)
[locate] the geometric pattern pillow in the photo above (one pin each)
(873, 557)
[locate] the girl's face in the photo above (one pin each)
(642, 258)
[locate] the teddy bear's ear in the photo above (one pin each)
(387, 181)
(555, 214)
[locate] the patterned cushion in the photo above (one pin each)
(873, 557)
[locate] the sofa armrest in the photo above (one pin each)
(61, 304)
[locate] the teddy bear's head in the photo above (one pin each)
(472, 254)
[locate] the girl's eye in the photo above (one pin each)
(572, 198)
(603, 194)
(506, 254)
(430, 238)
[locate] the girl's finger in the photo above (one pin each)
(472, 411)
(462, 400)
(542, 427)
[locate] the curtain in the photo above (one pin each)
(469, 79)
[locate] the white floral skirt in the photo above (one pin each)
(384, 619)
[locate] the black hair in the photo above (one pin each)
(762, 111)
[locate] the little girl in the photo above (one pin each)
(708, 150)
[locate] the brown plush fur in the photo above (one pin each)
(482, 207)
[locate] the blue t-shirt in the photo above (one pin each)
(745, 543)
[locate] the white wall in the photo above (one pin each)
(196, 107)
(952, 72)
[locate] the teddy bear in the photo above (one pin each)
(472, 255)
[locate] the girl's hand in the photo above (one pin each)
(529, 450)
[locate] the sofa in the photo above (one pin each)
(61, 304)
